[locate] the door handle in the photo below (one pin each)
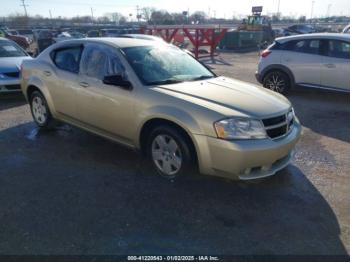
(47, 73)
(330, 65)
(83, 84)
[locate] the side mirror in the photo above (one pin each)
(117, 80)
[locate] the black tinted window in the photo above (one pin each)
(304, 46)
(99, 61)
(339, 49)
(68, 59)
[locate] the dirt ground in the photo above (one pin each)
(71, 192)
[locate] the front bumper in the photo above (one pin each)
(246, 159)
(10, 85)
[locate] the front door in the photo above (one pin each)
(105, 107)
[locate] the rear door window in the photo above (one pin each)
(67, 59)
(338, 49)
(304, 46)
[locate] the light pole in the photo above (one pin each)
(312, 8)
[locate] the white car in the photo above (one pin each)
(312, 60)
(11, 57)
(346, 30)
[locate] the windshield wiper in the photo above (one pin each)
(165, 82)
(202, 77)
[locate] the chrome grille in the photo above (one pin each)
(278, 126)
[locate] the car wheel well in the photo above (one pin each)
(156, 122)
(31, 89)
(281, 70)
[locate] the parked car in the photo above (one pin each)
(299, 29)
(112, 32)
(11, 57)
(43, 38)
(160, 100)
(313, 60)
(22, 41)
(93, 33)
(12, 32)
(144, 37)
(346, 30)
(27, 33)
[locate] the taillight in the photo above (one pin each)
(265, 53)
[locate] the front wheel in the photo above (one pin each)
(277, 81)
(40, 110)
(169, 150)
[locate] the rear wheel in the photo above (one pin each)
(277, 81)
(170, 152)
(40, 110)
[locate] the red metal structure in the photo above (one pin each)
(199, 35)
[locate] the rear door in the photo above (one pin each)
(61, 79)
(303, 58)
(336, 65)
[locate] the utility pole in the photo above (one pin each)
(25, 7)
(312, 9)
(329, 10)
(138, 14)
(51, 17)
(92, 14)
(278, 7)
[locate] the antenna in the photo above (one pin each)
(25, 7)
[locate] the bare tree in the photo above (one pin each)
(146, 13)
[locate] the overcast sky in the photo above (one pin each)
(222, 8)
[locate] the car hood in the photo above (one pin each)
(11, 64)
(229, 97)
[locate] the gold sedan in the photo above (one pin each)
(156, 98)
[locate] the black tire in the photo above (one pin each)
(185, 149)
(48, 122)
(277, 81)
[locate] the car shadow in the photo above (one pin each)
(324, 112)
(10, 100)
(69, 192)
(214, 60)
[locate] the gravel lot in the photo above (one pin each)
(71, 192)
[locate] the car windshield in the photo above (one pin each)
(163, 64)
(8, 49)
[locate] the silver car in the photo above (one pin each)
(11, 57)
(314, 60)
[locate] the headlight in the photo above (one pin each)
(290, 115)
(2, 76)
(240, 128)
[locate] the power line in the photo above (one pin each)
(25, 7)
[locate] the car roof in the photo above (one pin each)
(336, 36)
(121, 42)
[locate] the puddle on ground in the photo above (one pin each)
(36, 132)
